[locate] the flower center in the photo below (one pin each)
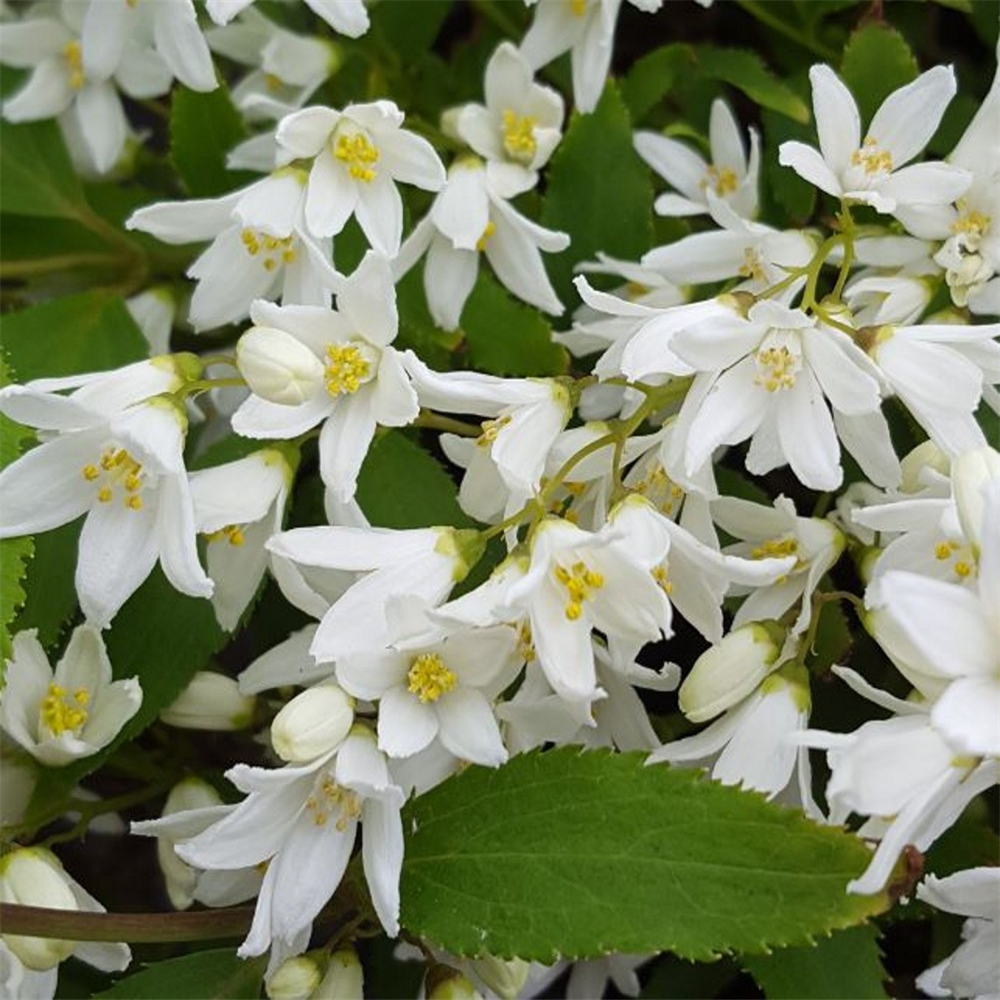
(777, 364)
(657, 487)
(519, 136)
(873, 160)
(752, 267)
(73, 55)
(62, 712)
(329, 798)
(488, 231)
(348, 367)
(964, 564)
(356, 151)
(970, 221)
(776, 548)
(580, 582)
(232, 533)
(117, 468)
(271, 249)
(721, 180)
(428, 678)
(662, 578)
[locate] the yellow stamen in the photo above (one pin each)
(358, 153)
(491, 428)
(61, 712)
(428, 678)
(721, 180)
(578, 7)
(346, 369)
(580, 581)
(776, 548)
(776, 367)
(116, 467)
(874, 160)
(519, 136)
(328, 797)
(74, 56)
(488, 231)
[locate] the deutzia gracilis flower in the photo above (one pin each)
(348, 17)
(444, 690)
(258, 249)
(519, 126)
(238, 506)
(358, 156)
(303, 821)
(307, 365)
(973, 969)
(34, 876)
(730, 176)
(470, 218)
(74, 711)
(210, 701)
(873, 171)
(127, 475)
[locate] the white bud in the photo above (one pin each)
(727, 673)
(970, 473)
(179, 876)
(925, 456)
(312, 723)
(210, 701)
(33, 876)
(278, 367)
(295, 979)
(506, 978)
(344, 979)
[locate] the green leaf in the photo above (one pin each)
(406, 27)
(795, 195)
(89, 332)
(160, 636)
(49, 588)
(204, 127)
(876, 62)
(846, 964)
(833, 639)
(505, 337)
(599, 192)
(576, 853)
(651, 78)
(38, 177)
(403, 486)
(209, 975)
(746, 71)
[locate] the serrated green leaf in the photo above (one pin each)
(146, 640)
(599, 192)
(651, 77)
(833, 639)
(204, 127)
(89, 332)
(209, 975)
(403, 486)
(38, 177)
(746, 71)
(49, 588)
(407, 27)
(877, 60)
(794, 194)
(505, 337)
(579, 853)
(846, 964)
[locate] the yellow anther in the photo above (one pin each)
(329, 797)
(269, 264)
(61, 713)
(519, 136)
(74, 57)
(232, 533)
(346, 369)
(963, 569)
(776, 368)
(358, 153)
(874, 160)
(133, 501)
(578, 7)
(974, 223)
(91, 472)
(272, 82)
(776, 548)
(751, 266)
(491, 428)
(943, 550)
(488, 231)
(132, 482)
(428, 678)
(525, 645)
(721, 180)
(288, 256)
(660, 576)
(104, 494)
(579, 581)
(250, 241)
(116, 468)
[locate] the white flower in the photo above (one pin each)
(259, 248)
(303, 822)
(312, 724)
(730, 176)
(776, 532)
(34, 876)
(519, 126)
(973, 969)
(769, 377)
(348, 17)
(421, 562)
(210, 701)
(358, 156)
(74, 711)
(470, 217)
(873, 172)
(238, 506)
(308, 365)
(443, 689)
(127, 474)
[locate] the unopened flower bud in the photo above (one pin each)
(312, 723)
(210, 701)
(277, 367)
(295, 979)
(506, 978)
(33, 876)
(344, 979)
(446, 983)
(925, 456)
(727, 673)
(179, 876)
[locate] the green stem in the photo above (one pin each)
(847, 228)
(437, 422)
(205, 384)
(64, 262)
(762, 12)
(814, 268)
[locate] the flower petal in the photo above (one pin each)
(838, 123)
(469, 729)
(909, 116)
(405, 724)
